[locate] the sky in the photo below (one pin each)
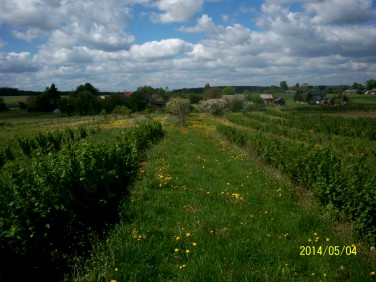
(121, 45)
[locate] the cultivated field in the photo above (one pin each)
(258, 196)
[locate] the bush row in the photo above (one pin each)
(345, 183)
(50, 204)
(360, 127)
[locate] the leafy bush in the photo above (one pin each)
(49, 204)
(122, 110)
(179, 107)
(214, 106)
(345, 183)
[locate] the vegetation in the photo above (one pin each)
(273, 193)
(179, 107)
(51, 203)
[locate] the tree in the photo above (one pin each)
(179, 107)
(283, 85)
(358, 87)
(371, 84)
(228, 90)
(212, 93)
(87, 87)
(47, 101)
(214, 106)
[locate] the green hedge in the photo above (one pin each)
(343, 182)
(50, 204)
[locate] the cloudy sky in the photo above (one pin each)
(122, 44)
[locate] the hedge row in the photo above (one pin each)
(50, 204)
(343, 182)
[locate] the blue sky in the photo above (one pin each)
(124, 44)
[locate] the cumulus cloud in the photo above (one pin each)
(17, 63)
(176, 10)
(155, 50)
(341, 11)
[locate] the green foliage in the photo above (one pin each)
(179, 107)
(228, 90)
(212, 93)
(47, 101)
(122, 110)
(343, 182)
(49, 204)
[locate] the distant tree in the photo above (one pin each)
(2, 105)
(207, 85)
(47, 101)
(179, 107)
(228, 90)
(214, 106)
(371, 84)
(212, 93)
(358, 87)
(87, 87)
(86, 103)
(283, 85)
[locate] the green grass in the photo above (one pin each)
(14, 99)
(245, 219)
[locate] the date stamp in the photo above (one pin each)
(328, 250)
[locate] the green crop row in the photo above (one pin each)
(360, 127)
(50, 204)
(345, 183)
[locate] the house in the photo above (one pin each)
(157, 102)
(316, 96)
(128, 94)
(267, 98)
(280, 101)
(350, 91)
(372, 92)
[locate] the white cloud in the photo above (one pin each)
(16, 63)
(341, 11)
(176, 10)
(156, 50)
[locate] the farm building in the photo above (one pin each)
(128, 94)
(280, 101)
(350, 91)
(372, 92)
(267, 98)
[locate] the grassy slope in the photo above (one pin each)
(243, 216)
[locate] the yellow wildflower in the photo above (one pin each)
(194, 244)
(188, 235)
(187, 252)
(177, 238)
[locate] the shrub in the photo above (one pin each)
(179, 107)
(214, 106)
(122, 110)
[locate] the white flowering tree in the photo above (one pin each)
(214, 106)
(179, 107)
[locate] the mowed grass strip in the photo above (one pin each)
(203, 210)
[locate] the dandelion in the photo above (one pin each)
(177, 238)
(116, 269)
(187, 251)
(315, 234)
(327, 239)
(194, 244)
(176, 250)
(310, 240)
(188, 235)
(372, 274)
(182, 266)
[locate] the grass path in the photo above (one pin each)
(204, 210)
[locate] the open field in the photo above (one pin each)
(202, 208)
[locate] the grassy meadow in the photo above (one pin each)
(202, 208)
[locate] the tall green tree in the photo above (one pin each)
(371, 84)
(283, 85)
(228, 90)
